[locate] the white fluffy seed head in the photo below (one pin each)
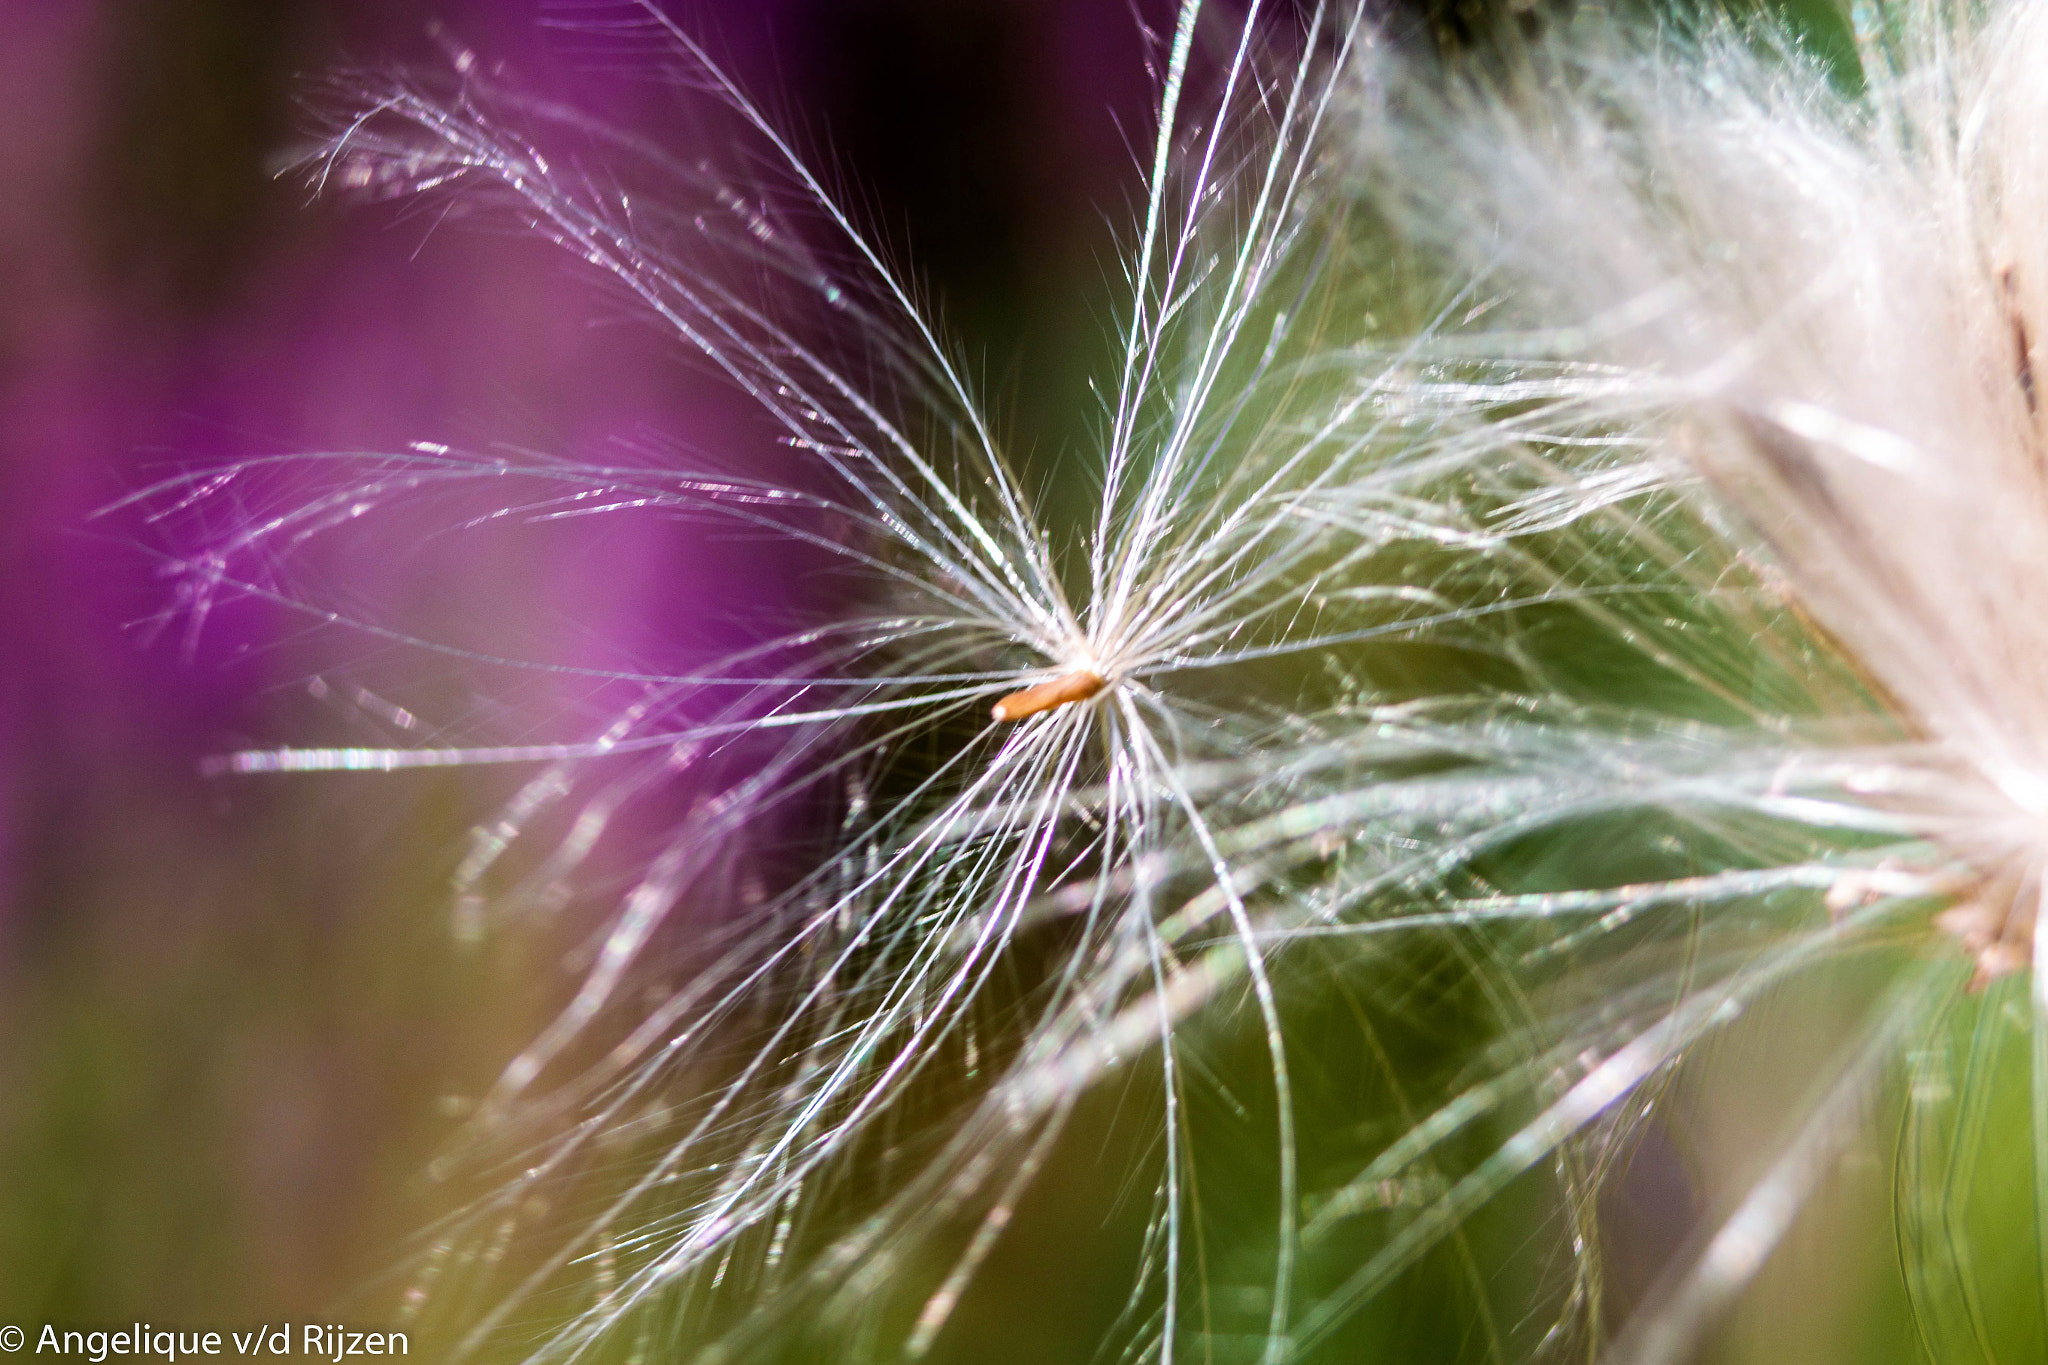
(1640, 434)
(1821, 305)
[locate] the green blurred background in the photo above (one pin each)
(236, 1023)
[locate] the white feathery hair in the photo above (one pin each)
(1669, 393)
(1780, 338)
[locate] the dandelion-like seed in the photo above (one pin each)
(1567, 525)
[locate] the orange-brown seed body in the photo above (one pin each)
(1079, 685)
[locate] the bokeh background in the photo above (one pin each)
(237, 1018)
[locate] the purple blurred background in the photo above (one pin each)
(232, 1010)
